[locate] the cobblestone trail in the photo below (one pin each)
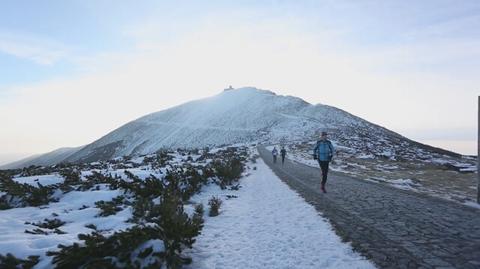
(392, 227)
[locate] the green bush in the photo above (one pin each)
(228, 171)
(177, 229)
(21, 195)
(35, 170)
(71, 176)
(99, 251)
(170, 224)
(151, 187)
(214, 204)
(111, 207)
(160, 159)
(199, 211)
(98, 178)
(49, 223)
(11, 262)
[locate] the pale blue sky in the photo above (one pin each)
(411, 66)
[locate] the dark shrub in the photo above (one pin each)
(111, 207)
(21, 195)
(71, 176)
(171, 225)
(228, 171)
(11, 262)
(50, 223)
(214, 204)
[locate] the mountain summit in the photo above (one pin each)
(234, 116)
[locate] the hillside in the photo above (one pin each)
(50, 158)
(246, 115)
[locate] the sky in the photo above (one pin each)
(72, 71)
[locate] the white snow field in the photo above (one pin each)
(44, 180)
(268, 226)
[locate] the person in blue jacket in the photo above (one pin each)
(323, 153)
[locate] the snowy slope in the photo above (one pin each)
(234, 116)
(247, 115)
(49, 158)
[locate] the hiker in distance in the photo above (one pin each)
(323, 153)
(274, 154)
(283, 152)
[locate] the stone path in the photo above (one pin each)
(392, 227)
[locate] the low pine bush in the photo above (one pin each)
(11, 262)
(50, 223)
(228, 171)
(99, 251)
(21, 195)
(111, 207)
(199, 210)
(214, 204)
(71, 176)
(166, 222)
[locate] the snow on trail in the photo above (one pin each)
(268, 226)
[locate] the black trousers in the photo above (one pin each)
(324, 167)
(283, 158)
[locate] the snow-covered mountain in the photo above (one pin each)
(234, 116)
(244, 115)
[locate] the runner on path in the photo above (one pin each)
(323, 153)
(274, 154)
(283, 152)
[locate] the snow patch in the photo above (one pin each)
(43, 179)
